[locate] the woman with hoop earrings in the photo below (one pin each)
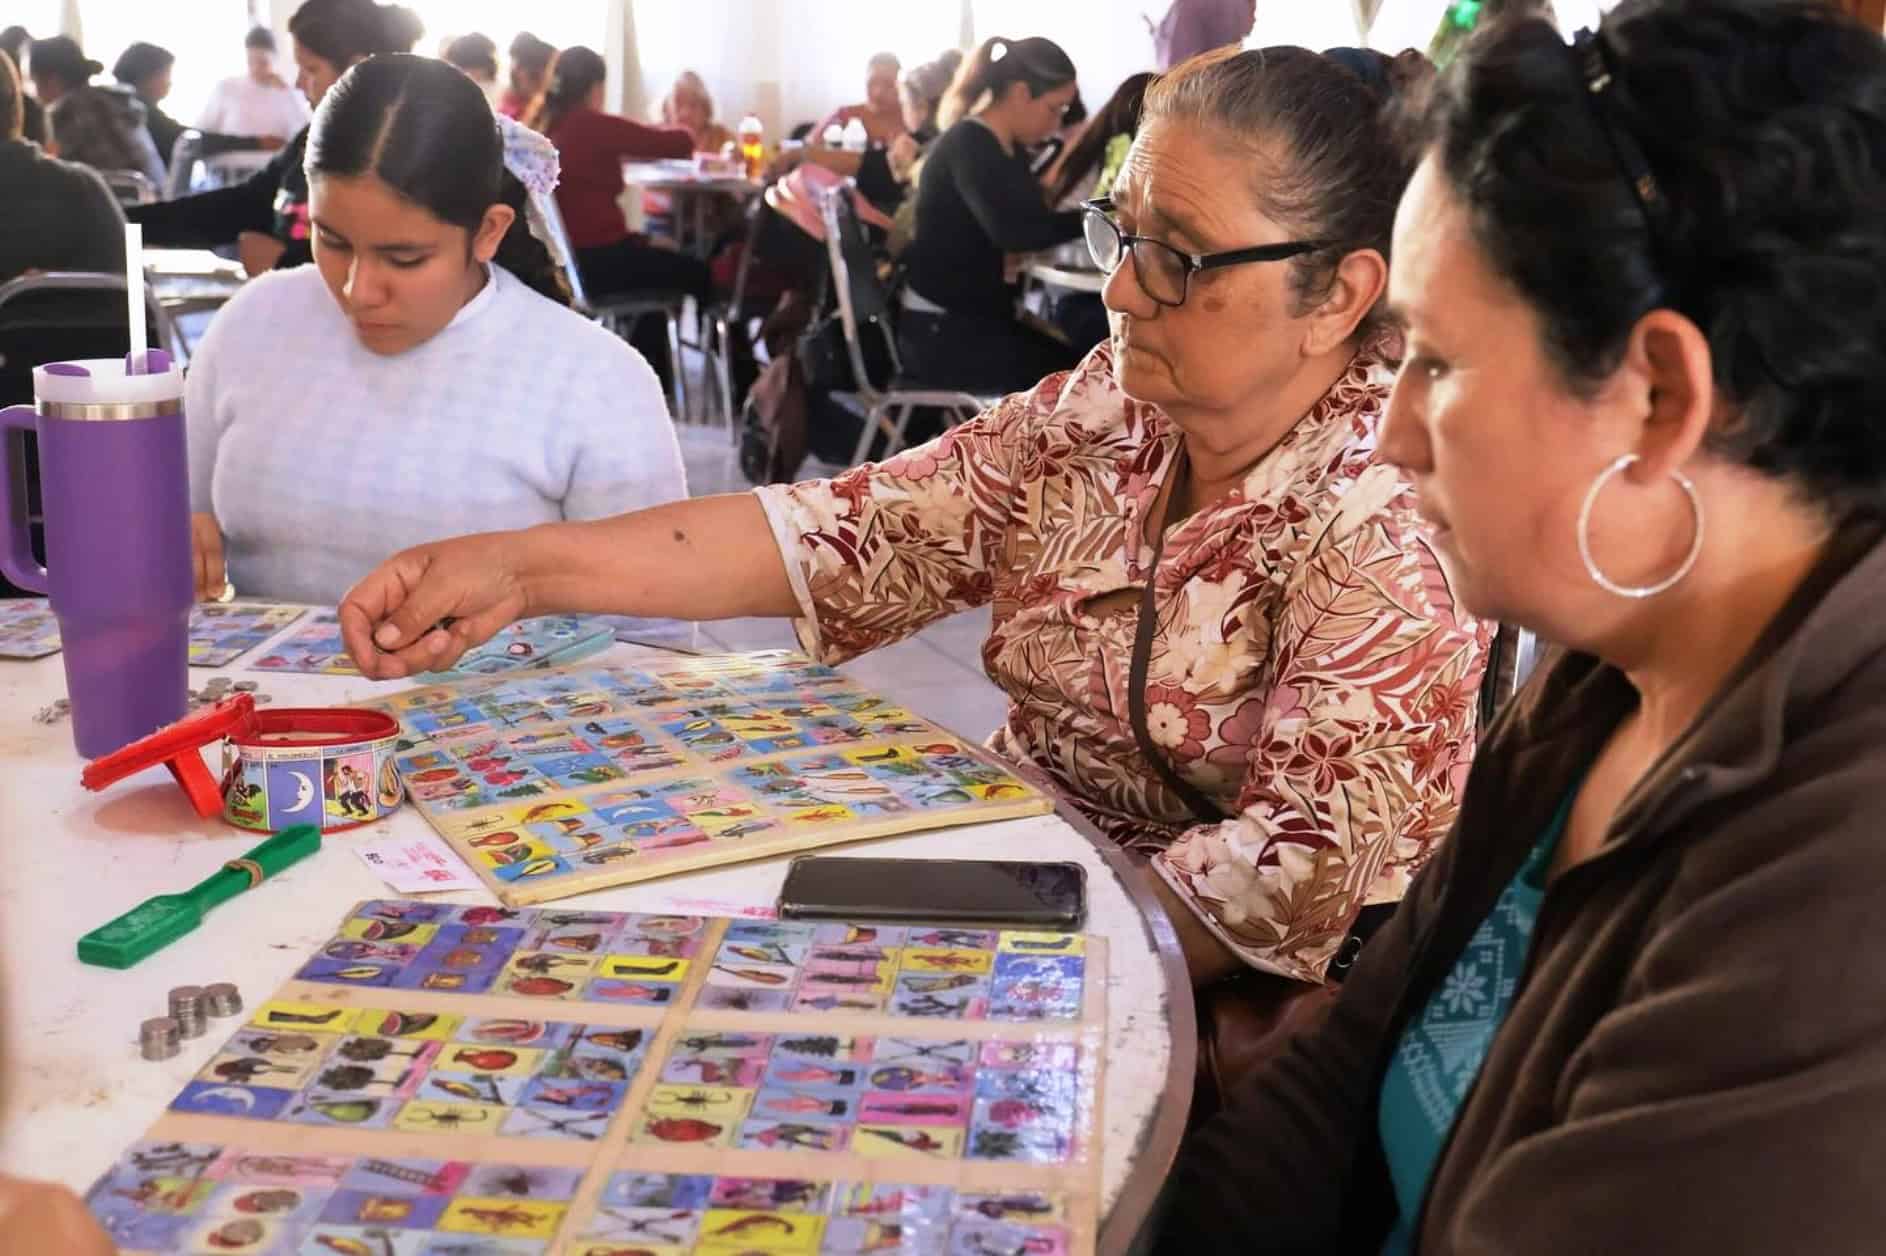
(1637, 1001)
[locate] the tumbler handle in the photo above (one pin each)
(16, 546)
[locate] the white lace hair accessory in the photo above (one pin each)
(533, 160)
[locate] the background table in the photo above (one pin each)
(75, 1091)
(690, 191)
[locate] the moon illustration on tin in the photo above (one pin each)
(242, 1100)
(304, 792)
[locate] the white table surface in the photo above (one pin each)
(76, 1091)
(684, 176)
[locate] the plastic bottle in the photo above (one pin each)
(752, 135)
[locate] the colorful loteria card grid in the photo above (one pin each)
(27, 628)
(314, 647)
(221, 633)
(585, 777)
(529, 644)
(486, 1080)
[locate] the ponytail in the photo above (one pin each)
(999, 61)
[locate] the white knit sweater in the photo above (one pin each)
(319, 459)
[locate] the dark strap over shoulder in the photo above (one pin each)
(1202, 807)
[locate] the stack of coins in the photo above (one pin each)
(222, 999)
(159, 1038)
(186, 1008)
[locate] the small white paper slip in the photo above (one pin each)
(417, 865)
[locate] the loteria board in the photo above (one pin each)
(27, 628)
(316, 647)
(585, 777)
(457, 1112)
(220, 633)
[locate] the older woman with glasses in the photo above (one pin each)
(1221, 632)
(1637, 1003)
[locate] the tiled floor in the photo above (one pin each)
(937, 673)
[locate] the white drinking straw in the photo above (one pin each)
(134, 292)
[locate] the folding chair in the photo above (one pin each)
(74, 281)
(621, 312)
(184, 155)
(862, 300)
(131, 187)
(722, 322)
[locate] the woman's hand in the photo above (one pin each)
(42, 1217)
(421, 609)
(206, 555)
(258, 252)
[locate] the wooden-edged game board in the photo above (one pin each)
(27, 628)
(556, 783)
(220, 633)
(482, 1081)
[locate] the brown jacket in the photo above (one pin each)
(1695, 1061)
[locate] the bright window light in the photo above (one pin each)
(1316, 24)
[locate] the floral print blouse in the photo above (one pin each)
(1310, 672)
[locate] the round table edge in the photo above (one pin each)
(1123, 1226)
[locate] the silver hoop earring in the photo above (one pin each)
(1584, 535)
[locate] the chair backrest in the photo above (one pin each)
(1510, 659)
(184, 155)
(861, 298)
(131, 187)
(560, 249)
(76, 281)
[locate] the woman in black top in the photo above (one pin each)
(978, 203)
(266, 215)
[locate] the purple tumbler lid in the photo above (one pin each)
(156, 362)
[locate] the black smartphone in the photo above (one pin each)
(946, 891)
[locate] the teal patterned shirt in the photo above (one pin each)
(1443, 1047)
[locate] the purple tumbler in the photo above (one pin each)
(115, 485)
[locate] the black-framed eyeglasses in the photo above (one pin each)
(1164, 272)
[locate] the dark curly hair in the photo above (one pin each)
(1342, 172)
(425, 130)
(1763, 126)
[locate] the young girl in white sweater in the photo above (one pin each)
(424, 377)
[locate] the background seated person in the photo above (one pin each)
(978, 203)
(425, 375)
(1307, 694)
(257, 102)
(477, 56)
(592, 146)
(146, 69)
(1637, 1003)
(885, 172)
(97, 126)
(266, 215)
(14, 41)
(530, 73)
(882, 113)
(55, 215)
